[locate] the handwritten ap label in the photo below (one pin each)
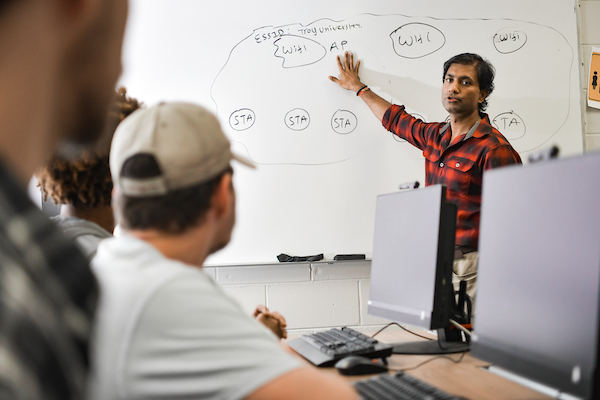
(416, 40)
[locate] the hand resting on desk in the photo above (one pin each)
(272, 320)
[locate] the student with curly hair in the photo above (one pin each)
(82, 184)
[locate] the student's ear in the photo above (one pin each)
(223, 195)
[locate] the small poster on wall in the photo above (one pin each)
(594, 82)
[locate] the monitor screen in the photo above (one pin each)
(539, 272)
(413, 252)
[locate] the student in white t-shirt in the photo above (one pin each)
(164, 328)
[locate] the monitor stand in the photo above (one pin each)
(450, 340)
(454, 344)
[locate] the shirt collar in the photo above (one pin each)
(469, 134)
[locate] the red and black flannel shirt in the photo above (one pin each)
(459, 166)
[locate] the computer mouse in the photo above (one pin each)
(357, 365)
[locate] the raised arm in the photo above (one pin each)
(349, 80)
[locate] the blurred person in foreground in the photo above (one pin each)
(60, 63)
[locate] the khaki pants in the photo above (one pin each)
(465, 269)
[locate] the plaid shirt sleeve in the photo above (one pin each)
(47, 299)
(407, 127)
(500, 157)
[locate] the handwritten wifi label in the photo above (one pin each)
(509, 40)
(298, 51)
(416, 40)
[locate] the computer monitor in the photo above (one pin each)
(411, 270)
(539, 273)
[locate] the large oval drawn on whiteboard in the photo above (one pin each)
(416, 40)
(509, 40)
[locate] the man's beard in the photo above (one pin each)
(226, 238)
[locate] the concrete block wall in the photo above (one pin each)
(589, 36)
(310, 296)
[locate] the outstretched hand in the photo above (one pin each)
(272, 320)
(348, 79)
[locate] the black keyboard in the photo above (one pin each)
(324, 348)
(399, 387)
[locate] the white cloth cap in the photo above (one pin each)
(186, 141)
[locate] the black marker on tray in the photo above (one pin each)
(345, 257)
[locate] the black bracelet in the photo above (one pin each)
(360, 90)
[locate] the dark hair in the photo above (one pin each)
(485, 73)
(83, 180)
(172, 213)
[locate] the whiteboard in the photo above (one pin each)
(263, 68)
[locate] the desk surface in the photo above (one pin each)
(467, 379)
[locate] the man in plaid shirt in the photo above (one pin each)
(456, 152)
(60, 63)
